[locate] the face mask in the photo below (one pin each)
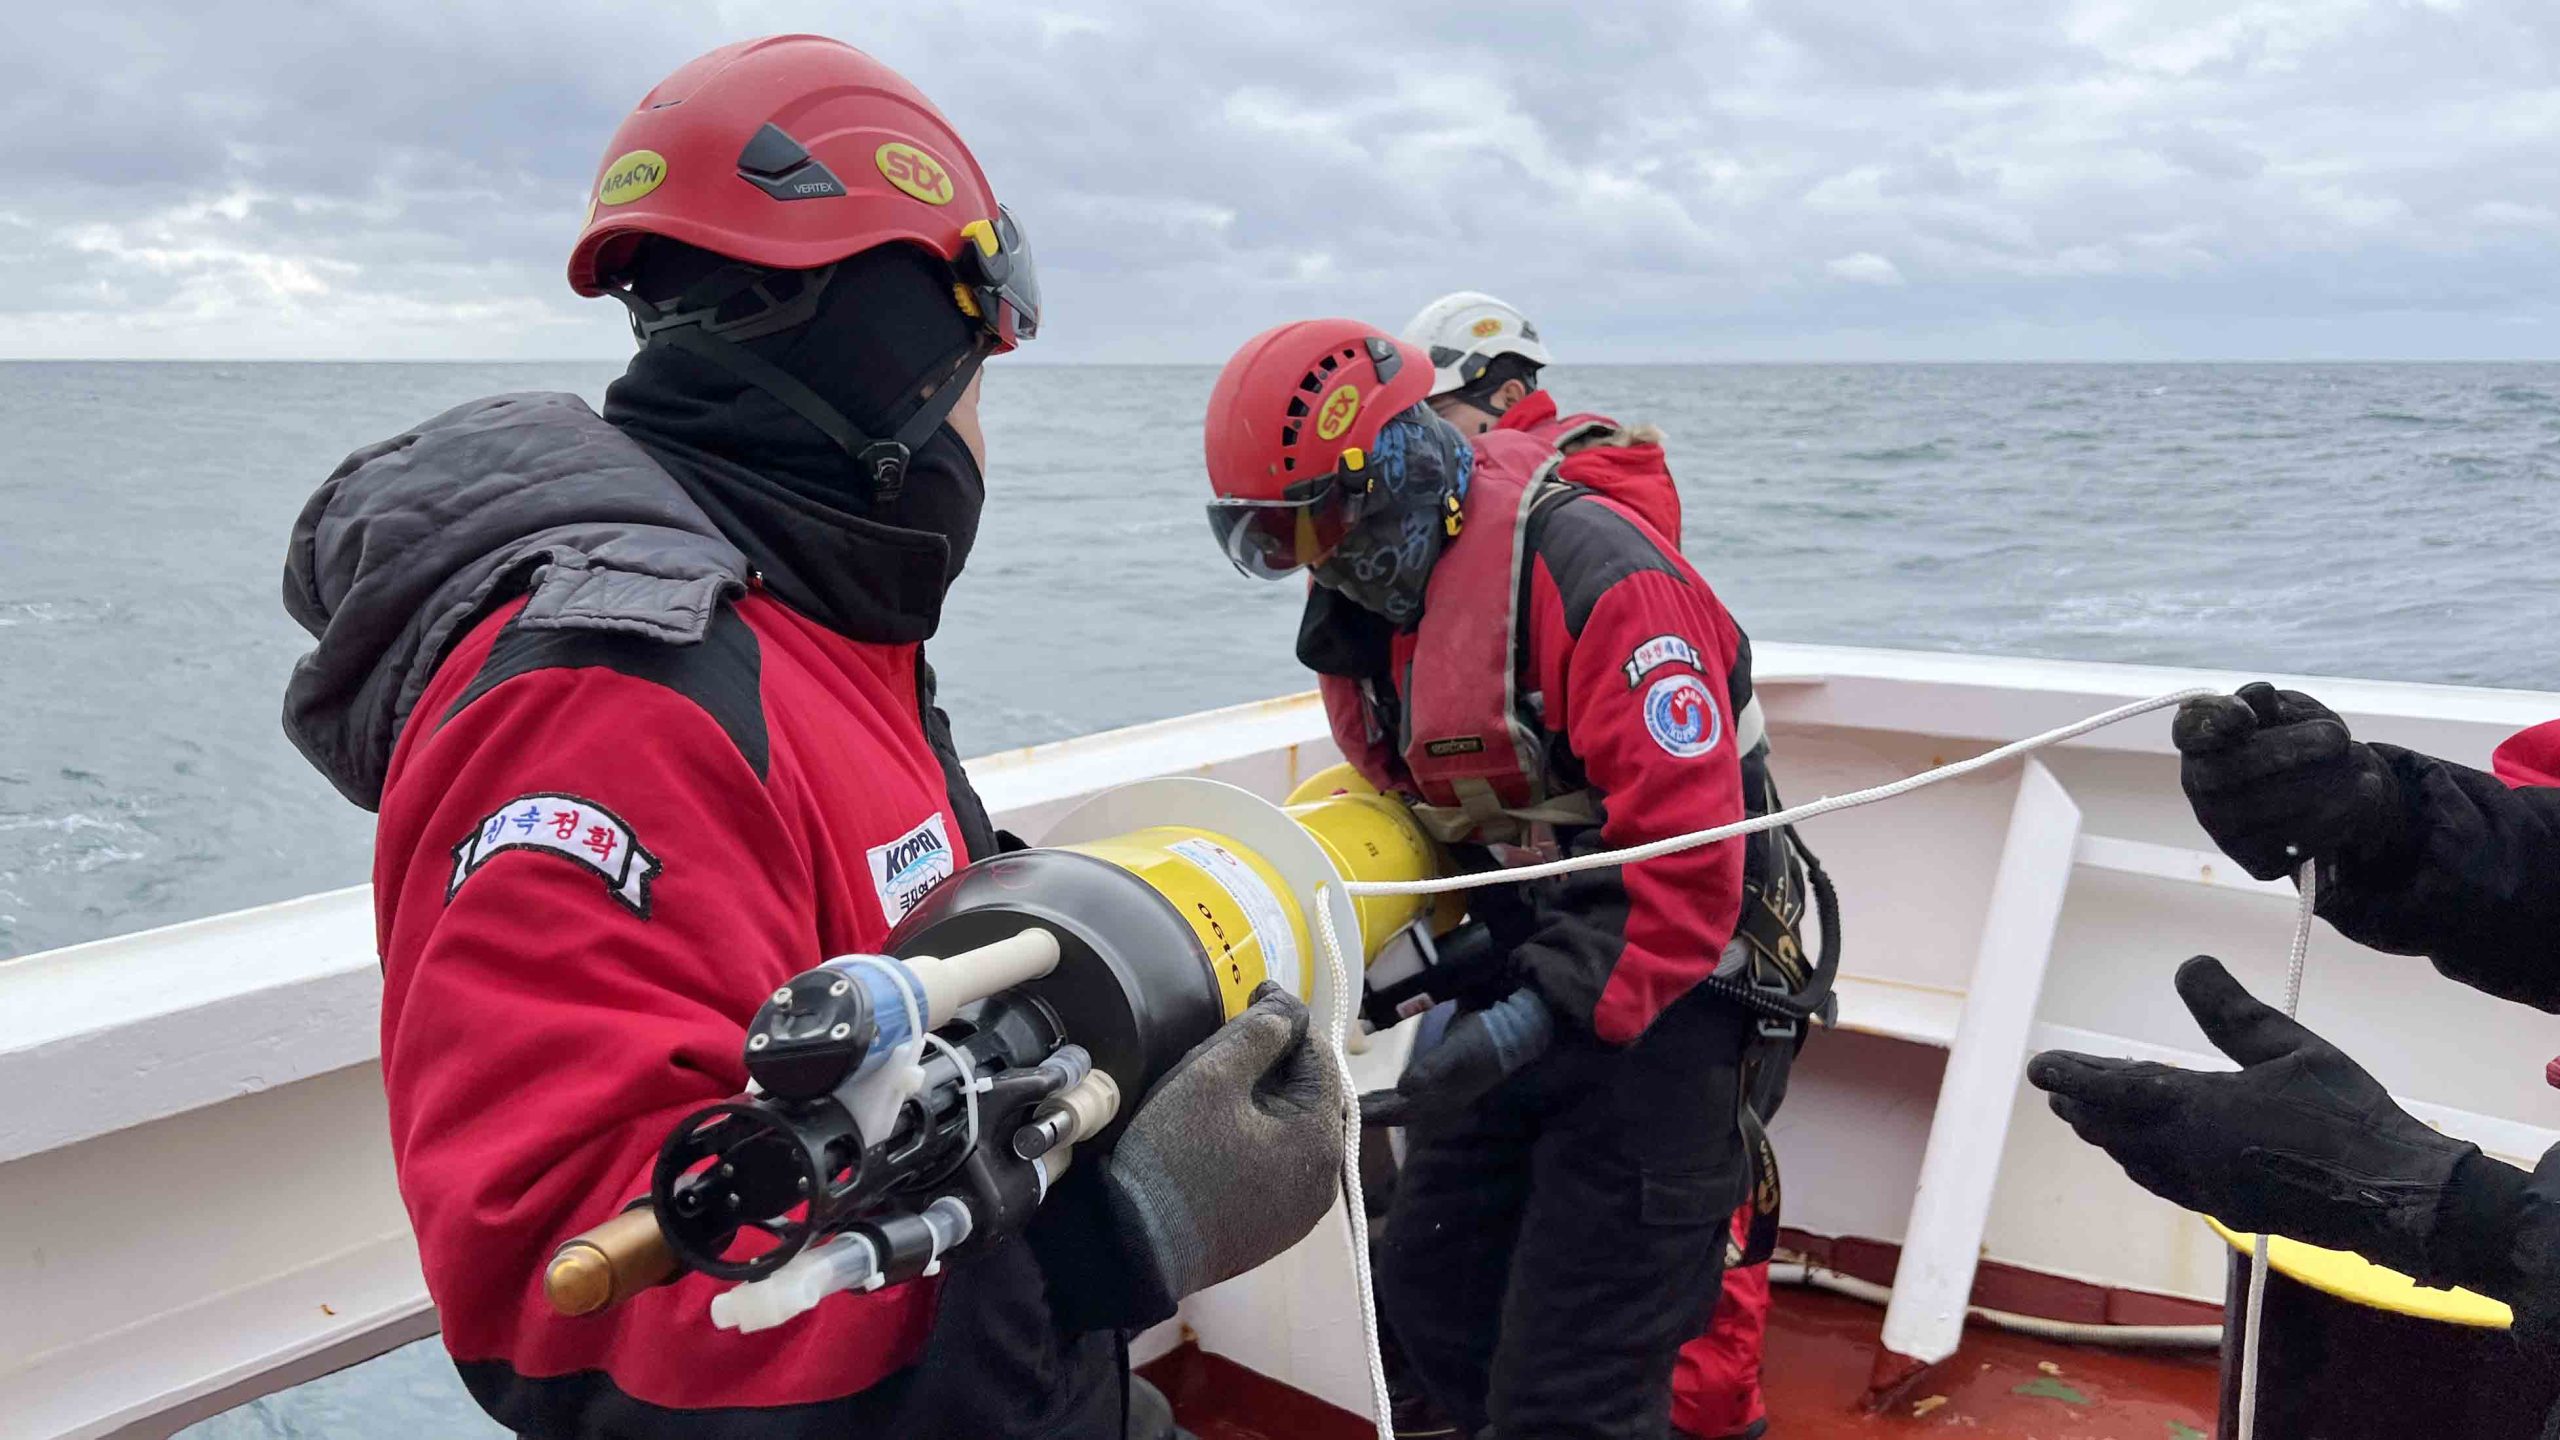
(944, 495)
(884, 324)
(1384, 564)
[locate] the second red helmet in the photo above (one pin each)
(1291, 427)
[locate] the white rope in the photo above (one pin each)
(2308, 879)
(1340, 1029)
(1355, 1203)
(1797, 816)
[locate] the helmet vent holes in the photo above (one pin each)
(1297, 407)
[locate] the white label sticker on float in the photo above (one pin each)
(1262, 909)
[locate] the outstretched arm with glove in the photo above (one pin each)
(2302, 1142)
(2417, 856)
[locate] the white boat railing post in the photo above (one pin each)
(1934, 1282)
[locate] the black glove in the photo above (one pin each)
(2301, 1142)
(1232, 1158)
(1000, 1362)
(1481, 1049)
(2276, 781)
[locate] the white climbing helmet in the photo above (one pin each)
(1465, 331)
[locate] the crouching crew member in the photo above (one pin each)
(1486, 359)
(1534, 667)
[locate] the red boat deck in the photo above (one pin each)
(1821, 1352)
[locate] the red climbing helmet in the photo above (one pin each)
(1291, 426)
(796, 151)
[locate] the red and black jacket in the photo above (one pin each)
(669, 763)
(597, 852)
(1610, 949)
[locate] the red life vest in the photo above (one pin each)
(1469, 757)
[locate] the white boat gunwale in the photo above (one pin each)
(225, 1024)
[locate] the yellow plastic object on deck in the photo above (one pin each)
(2359, 1281)
(1369, 837)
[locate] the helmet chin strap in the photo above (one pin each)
(691, 323)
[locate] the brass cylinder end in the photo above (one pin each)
(608, 1264)
(580, 1280)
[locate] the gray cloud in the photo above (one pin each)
(1774, 178)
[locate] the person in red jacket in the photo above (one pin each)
(1486, 357)
(642, 703)
(1539, 673)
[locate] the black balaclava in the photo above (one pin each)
(1498, 372)
(884, 328)
(1422, 466)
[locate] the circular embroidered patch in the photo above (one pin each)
(1683, 716)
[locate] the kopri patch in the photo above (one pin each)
(907, 869)
(1682, 716)
(575, 829)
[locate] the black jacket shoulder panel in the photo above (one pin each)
(1589, 548)
(723, 673)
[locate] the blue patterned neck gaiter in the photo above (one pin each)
(1422, 465)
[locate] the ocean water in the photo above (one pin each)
(2376, 520)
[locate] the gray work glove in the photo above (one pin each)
(1231, 1159)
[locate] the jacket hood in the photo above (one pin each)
(412, 540)
(1625, 463)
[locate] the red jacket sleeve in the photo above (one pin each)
(1633, 656)
(585, 889)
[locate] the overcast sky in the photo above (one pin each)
(1750, 179)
